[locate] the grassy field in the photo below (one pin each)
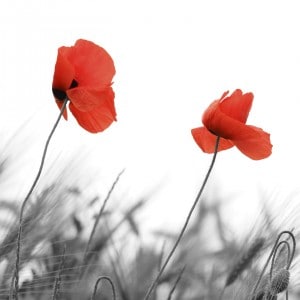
(96, 250)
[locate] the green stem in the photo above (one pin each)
(155, 282)
(15, 278)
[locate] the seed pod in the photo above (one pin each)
(280, 281)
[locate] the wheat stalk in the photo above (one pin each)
(245, 260)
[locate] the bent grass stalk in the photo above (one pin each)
(187, 220)
(15, 277)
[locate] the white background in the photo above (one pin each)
(172, 59)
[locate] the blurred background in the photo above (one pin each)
(172, 59)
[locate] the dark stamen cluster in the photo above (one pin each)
(62, 95)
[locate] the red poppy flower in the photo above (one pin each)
(226, 118)
(83, 74)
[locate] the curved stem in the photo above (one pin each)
(15, 278)
(155, 282)
(281, 244)
(270, 256)
(97, 283)
(293, 250)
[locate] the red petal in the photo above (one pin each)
(100, 117)
(94, 67)
(237, 106)
(255, 144)
(64, 71)
(86, 99)
(216, 121)
(207, 141)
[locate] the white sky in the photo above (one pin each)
(172, 59)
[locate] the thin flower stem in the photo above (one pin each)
(98, 219)
(15, 278)
(155, 282)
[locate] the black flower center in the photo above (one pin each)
(62, 95)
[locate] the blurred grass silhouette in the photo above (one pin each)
(56, 263)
